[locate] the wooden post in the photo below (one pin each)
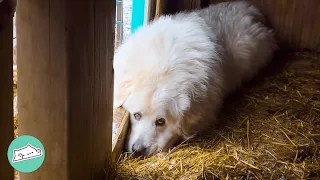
(6, 91)
(150, 10)
(172, 7)
(65, 51)
(161, 8)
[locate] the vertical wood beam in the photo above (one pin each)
(150, 10)
(65, 51)
(161, 7)
(6, 88)
(172, 7)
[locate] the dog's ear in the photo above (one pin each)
(180, 104)
(177, 101)
(121, 93)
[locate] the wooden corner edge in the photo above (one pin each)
(122, 117)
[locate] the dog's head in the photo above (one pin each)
(156, 111)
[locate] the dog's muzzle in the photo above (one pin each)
(138, 149)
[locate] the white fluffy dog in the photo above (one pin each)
(172, 74)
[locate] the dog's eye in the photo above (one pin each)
(137, 116)
(160, 122)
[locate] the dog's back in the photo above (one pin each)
(243, 45)
(242, 39)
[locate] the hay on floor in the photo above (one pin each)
(273, 132)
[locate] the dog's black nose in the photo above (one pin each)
(138, 150)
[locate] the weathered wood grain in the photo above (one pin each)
(121, 118)
(65, 51)
(6, 90)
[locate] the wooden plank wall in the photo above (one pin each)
(6, 88)
(296, 22)
(65, 52)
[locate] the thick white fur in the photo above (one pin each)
(180, 67)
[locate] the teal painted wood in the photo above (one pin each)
(137, 14)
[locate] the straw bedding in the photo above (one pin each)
(271, 130)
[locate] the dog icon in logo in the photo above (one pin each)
(26, 153)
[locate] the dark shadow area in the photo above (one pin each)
(275, 66)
